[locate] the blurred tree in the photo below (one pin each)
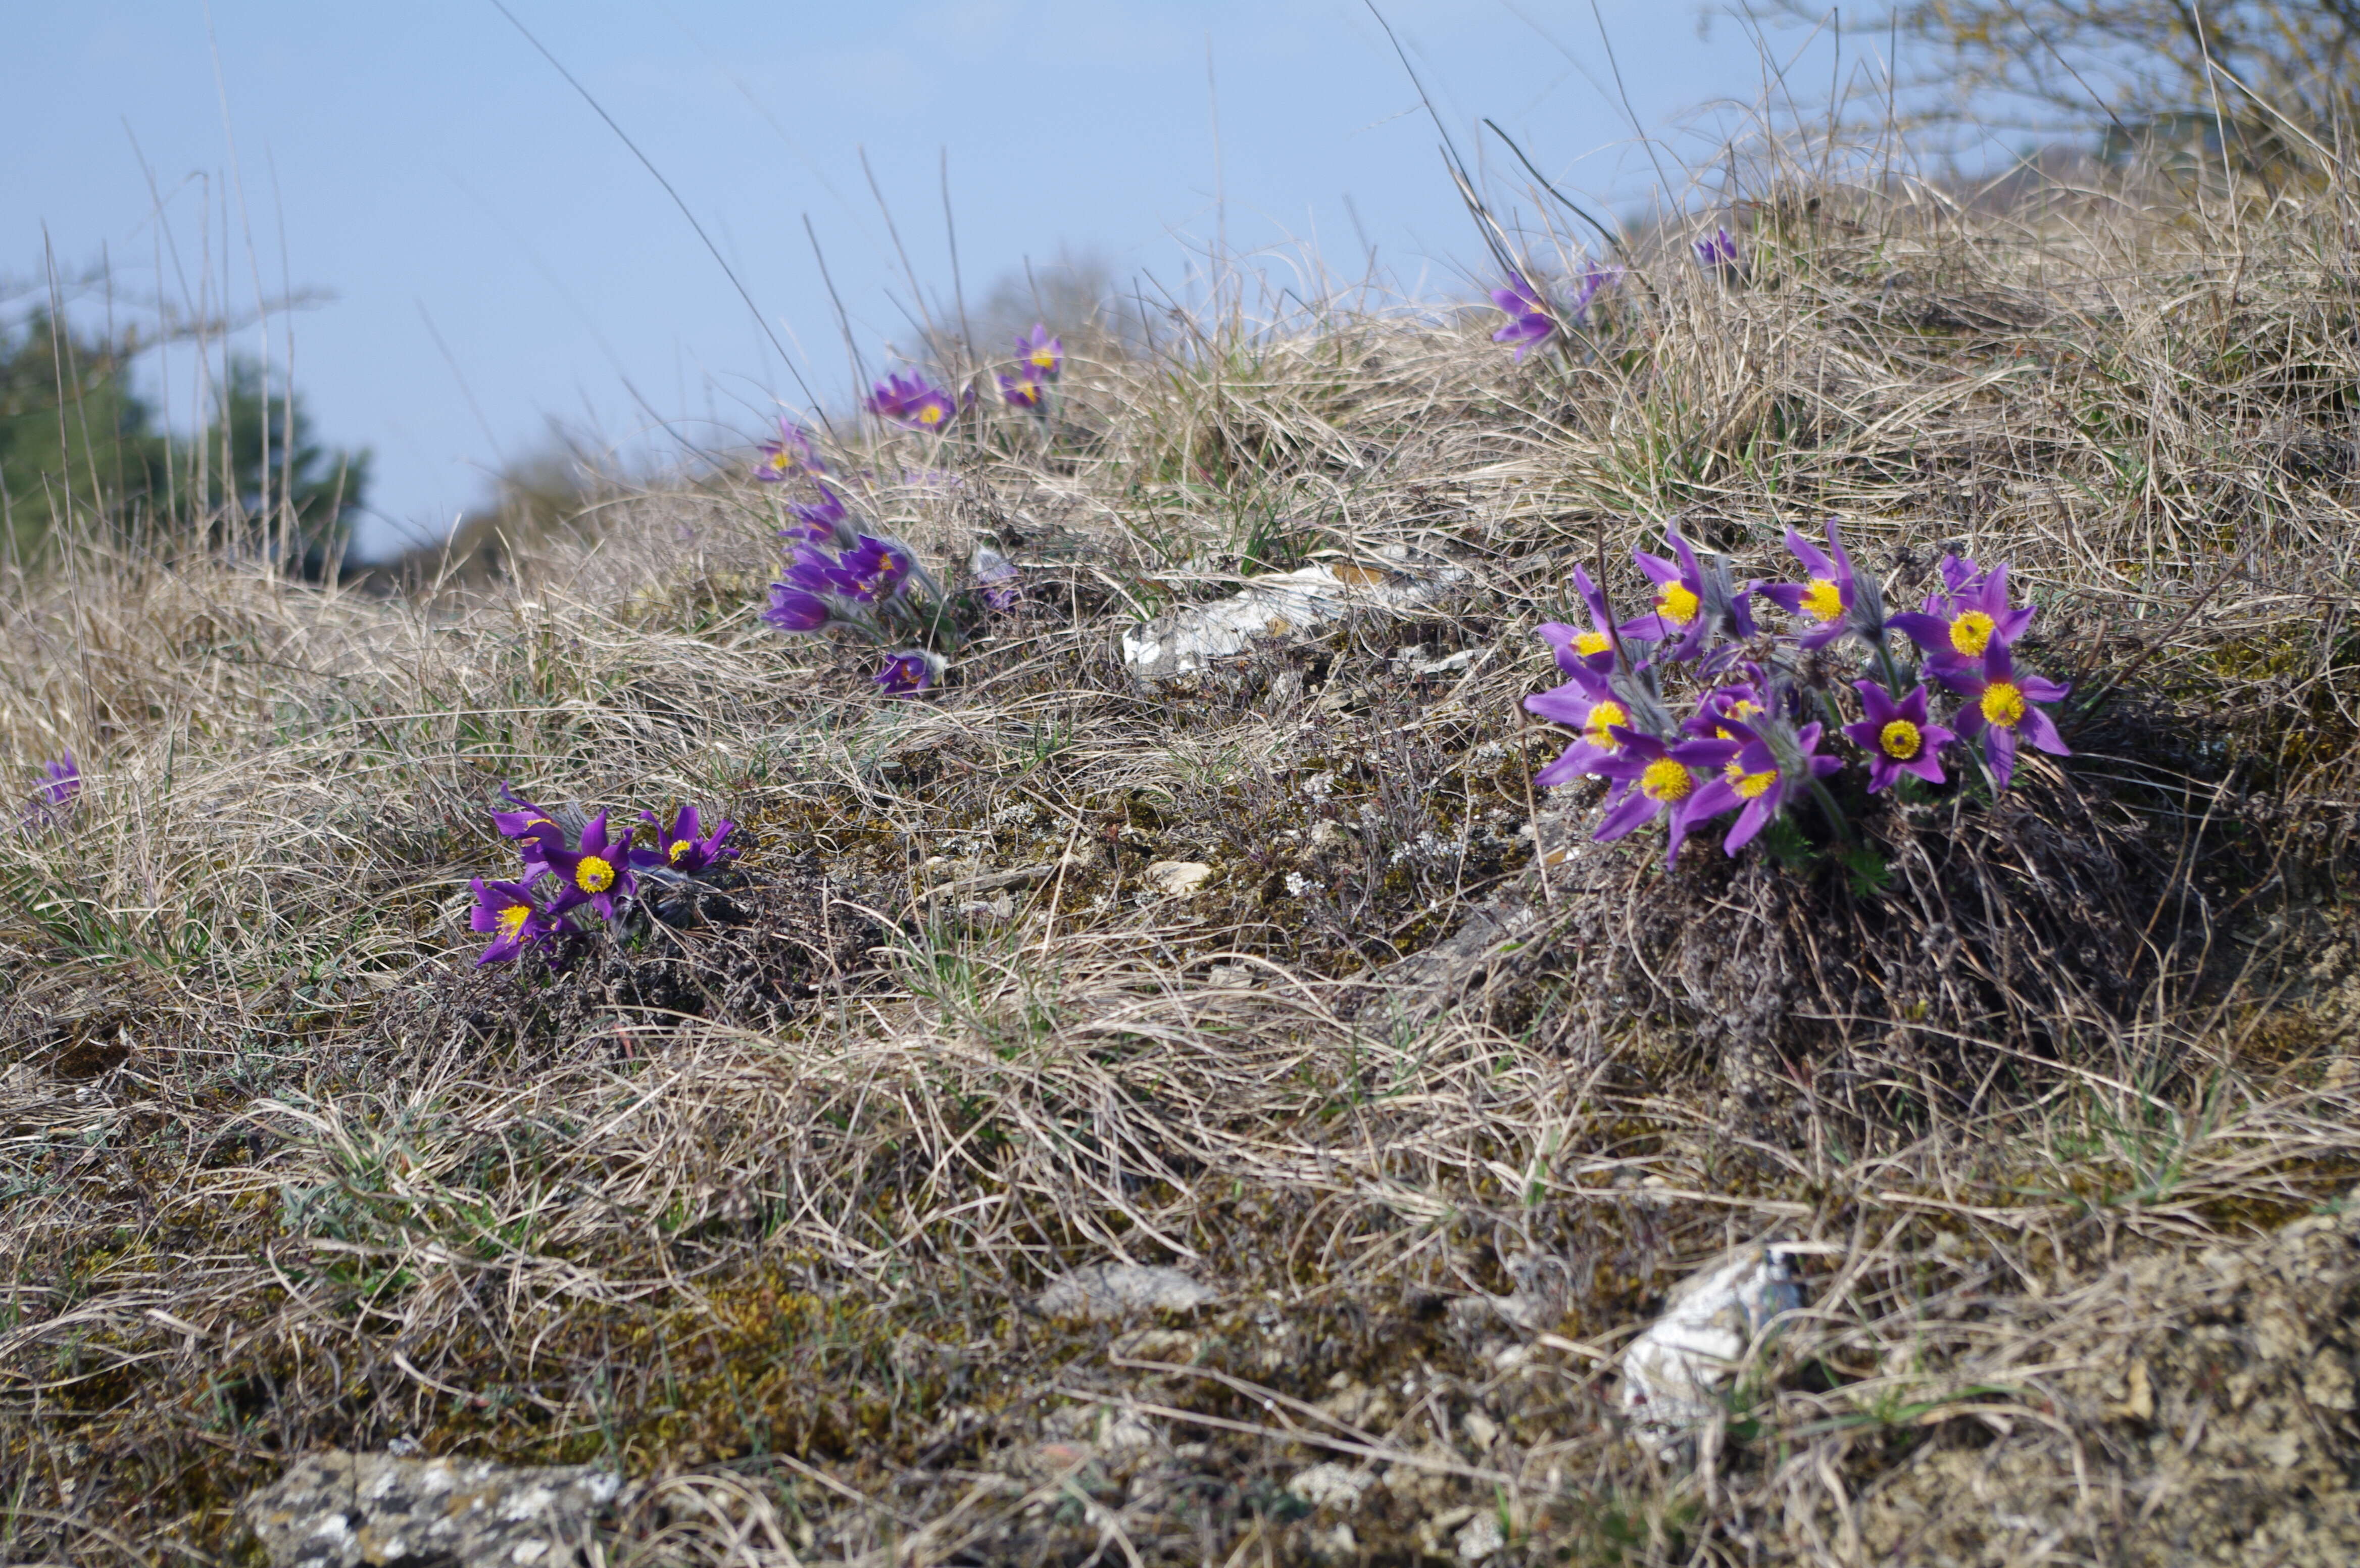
(77, 441)
(74, 438)
(2280, 77)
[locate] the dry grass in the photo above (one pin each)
(753, 1212)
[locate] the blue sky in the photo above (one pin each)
(423, 168)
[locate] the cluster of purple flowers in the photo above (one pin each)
(591, 872)
(1040, 359)
(1752, 744)
(838, 574)
(913, 403)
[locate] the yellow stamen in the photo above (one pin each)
(512, 920)
(1900, 739)
(1823, 600)
(592, 874)
(782, 461)
(1748, 786)
(1971, 633)
(1044, 360)
(1587, 643)
(2003, 703)
(1601, 716)
(1677, 603)
(931, 414)
(679, 847)
(1666, 780)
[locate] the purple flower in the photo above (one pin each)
(1587, 705)
(912, 402)
(815, 571)
(1739, 705)
(789, 455)
(1691, 602)
(1661, 780)
(1978, 620)
(597, 872)
(1717, 251)
(679, 848)
(1828, 599)
(996, 575)
(797, 609)
(61, 783)
(506, 911)
(1999, 707)
(1043, 357)
(909, 672)
(874, 569)
(1578, 650)
(1593, 279)
(1023, 391)
(534, 829)
(1960, 575)
(1762, 777)
(819, 522)
(1897, 736)
(1530, 319)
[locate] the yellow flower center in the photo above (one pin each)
(1677, 603)
(1601, 715)
(2003, 703)
(1588, 642)
(1823, 600)
(1666, 780)
(512, 920)
(1900, 739)
(931, 414)
(1749, 786)
(1971, 633)
(679, 847)
(1044, 360)
(592, 874)
(782, 461)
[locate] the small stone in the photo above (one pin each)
(1108, 1291)
(1178, 879)
(335, 1509)
(1673, 1374)
(1481, 1430)
(1331, 1485)
(1479, 1540)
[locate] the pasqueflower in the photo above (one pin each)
(909, 672)
(1593, 279)
(795, 609)
(875, 569)
(1829, 602)
(533, 829)
(595, 871)
(1588, 705)
(1717, 251)
(506, 911)
(911, 401)
(1998, 706)
(1761, 777)
(1693, 602)
(1740, 705)
(678, 847)
(789, 455)
(996, 575)
(1043, 357)
(822, 522)
(1974, 618)
(1021, 392)
(1530, 320)
(1662, 781)
(1578, 650)
(1897, 736)
(61, 782)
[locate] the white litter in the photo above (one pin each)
(1674, 1375)
(1190, 640)
(1178, 879)
(1331, 1485)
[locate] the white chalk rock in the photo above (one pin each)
(1190, 640)
(1674, 1375)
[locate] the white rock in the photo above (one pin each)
(1178, 879)
(1109, 1290)
(1674, 1375)
(1331, 1485)
(1480, 1539)
(1190, 640)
